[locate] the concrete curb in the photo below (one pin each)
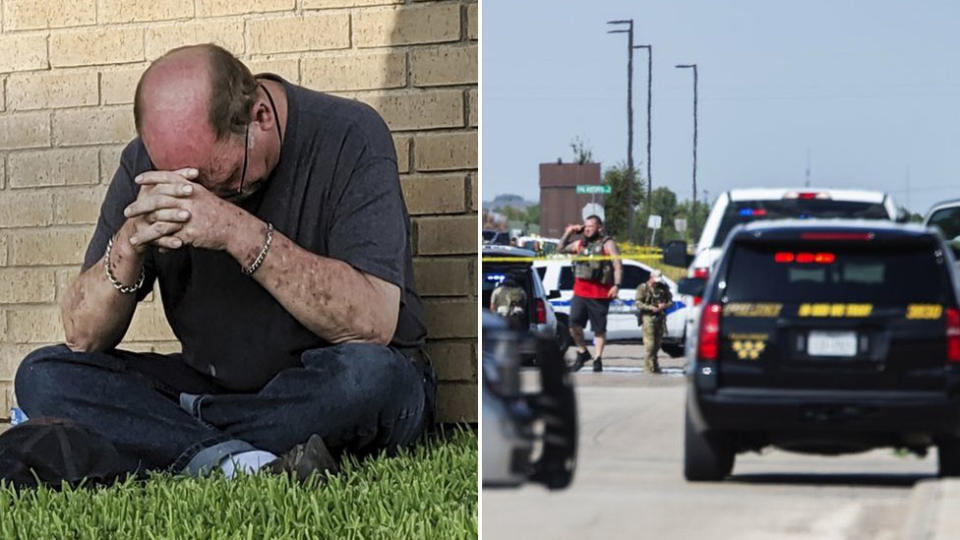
(932, 513)
(922, 511)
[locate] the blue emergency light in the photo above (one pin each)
(496, 278)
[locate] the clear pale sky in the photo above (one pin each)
(872, 89)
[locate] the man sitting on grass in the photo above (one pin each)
(272, 217)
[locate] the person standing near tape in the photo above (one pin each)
(596, 283)
(652, 300)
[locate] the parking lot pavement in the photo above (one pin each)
(627, 357)
(629, 480)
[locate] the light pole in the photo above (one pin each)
(629, 32)
(694, 208)
(649, 49)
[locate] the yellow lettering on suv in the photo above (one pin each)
(924, 311)
(835, 310)
(745, 309)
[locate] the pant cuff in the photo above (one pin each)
(208, 458)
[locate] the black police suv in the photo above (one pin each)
(824, 337)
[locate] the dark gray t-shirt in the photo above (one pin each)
(335, 192)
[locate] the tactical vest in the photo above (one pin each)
(659, 293)
(597, 270)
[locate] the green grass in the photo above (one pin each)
(429, 492)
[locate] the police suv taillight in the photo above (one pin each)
(701, 273)
(953, 335)
(708, 347)
(541, 311)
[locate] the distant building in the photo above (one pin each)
(507, 199)
(560, 205)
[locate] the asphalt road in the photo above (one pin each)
(629, 481)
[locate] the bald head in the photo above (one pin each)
(190, 99)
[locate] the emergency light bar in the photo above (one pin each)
(806, 195)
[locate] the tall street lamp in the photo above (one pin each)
(694, 208)
(629, 32)
(649, 204)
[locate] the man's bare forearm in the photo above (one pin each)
(565, 240)
(617, 264)
(95, 314)
(328, 296)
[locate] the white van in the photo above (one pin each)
(747, 205)
(557, 275)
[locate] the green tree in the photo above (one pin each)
(695, 216)
(616, 204)
(663, 204)
(912, 217)
(533, 214)
(581, 152)
(530, 215)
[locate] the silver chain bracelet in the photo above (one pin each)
(125, 289)
(263, 253)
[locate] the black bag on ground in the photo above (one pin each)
(51, 450)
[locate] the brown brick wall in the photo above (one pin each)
(68, 69)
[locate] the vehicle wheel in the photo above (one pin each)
(706, 456)
(564, 339)
(948, 457)
(675, 350)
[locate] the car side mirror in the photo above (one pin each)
(675, 254)
(692, 286)
(552, 295)
(903, 216)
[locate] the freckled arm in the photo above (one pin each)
(331, 298)
(95, 316)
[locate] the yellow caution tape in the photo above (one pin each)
(577, 258)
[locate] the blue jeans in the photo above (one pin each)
(162, 414)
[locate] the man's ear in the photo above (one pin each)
(262, 114)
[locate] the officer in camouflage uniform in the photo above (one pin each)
(509, 300)
(652, 300)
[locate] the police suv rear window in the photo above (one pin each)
(831, 272)
(746, 211)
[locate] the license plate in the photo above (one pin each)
(821, 343)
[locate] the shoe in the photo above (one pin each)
(305, 459)
(654, 371)
(597, 365)
(582, 358)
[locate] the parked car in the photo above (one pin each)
(501, 262)
(539, 244)
(557, 275)
(945, 216)
(825, 337)
(497, 238)
(527, 436)
(739, 206)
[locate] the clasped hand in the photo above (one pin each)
(172, 211)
